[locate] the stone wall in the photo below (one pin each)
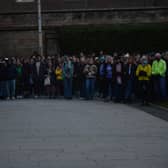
(18, 31)
(11, 5)
(18, 43)
(83, 17)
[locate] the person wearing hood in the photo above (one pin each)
(159, 69)
(143, 72)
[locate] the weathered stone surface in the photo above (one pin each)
(19, 37)
(79, 134)
(11, 5)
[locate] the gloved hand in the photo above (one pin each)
(142, 73)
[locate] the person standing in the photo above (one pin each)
(76, 76)
(118, 79)
(49, 80)
(11, 75)
(68, 77)
(101, 77)
(90, 72)
(59, 79)
(3, 80)
(108, 79)
(19, 80)
(129, 75)
(40, 69)
(143, 72)
(159, 69)
(82, 77)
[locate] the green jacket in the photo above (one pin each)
(159, 68)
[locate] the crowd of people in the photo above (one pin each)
(117, 77)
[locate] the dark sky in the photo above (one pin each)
(11, 5)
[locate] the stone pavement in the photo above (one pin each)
(80, 134)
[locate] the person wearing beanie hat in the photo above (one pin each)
(159, 69)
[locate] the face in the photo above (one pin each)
(82, 60)
(144, 61)
(118, 60)
(74, 59)
(13, 61)
(130, 60)
(32, 61)
(90, 61)
(158, 57)
(38, 59)
(101, 52)
(109, 60)
(50, 64)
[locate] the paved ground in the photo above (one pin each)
(80, 134)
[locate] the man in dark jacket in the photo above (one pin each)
(76, 76)
(40, 69)
(3, 79)
(11, 78)
(129, 78)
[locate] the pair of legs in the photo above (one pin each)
(90, 88)
(68, 88)
(11, 88)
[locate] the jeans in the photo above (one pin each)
(11, 88)
(1, 89)
(68, 88)
(102, 88)
(163, 89)
(82, 88)
(108, 87)
(118, 92)
(160, 87)
(90, 88)
(144, 90)
(128, 89)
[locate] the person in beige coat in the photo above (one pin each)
(90, 71)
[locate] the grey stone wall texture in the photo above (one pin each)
(11, 5)
(18, 21)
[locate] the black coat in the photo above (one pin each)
(128, 76)
(26, 74)
(11, 72)
(42, 71)
(3, 72)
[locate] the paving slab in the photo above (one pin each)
(80, 134)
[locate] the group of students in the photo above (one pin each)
(121, 78)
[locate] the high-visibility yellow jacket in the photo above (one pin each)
(146, 68)
(159, 68)
(59, 74)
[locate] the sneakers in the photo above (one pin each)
(12, 98)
